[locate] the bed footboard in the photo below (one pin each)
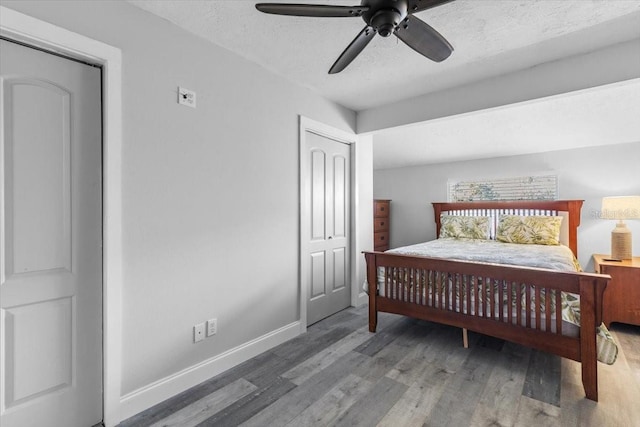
(517, 304)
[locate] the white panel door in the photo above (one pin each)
(50, 241)
(328, 284)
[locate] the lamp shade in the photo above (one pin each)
(622, 207)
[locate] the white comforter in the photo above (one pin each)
(558, 258)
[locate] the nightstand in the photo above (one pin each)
(622, 296)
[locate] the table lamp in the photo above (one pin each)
(621, 208)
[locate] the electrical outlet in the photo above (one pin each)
(186, 97)
(198, 332)
(212, 327)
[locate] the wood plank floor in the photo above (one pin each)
(409, 373)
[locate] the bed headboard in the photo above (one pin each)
(569, 209)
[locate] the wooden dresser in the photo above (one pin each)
(622, 296)
(381, 210)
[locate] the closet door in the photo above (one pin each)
(51, 240)
(328, 279)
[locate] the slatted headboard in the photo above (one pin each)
(569, 209)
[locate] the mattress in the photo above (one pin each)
(552, 257)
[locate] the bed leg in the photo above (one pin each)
(590, 380)
(589, 364)
(465, 338)
(373, 317)
(372, 277)
(588, 349)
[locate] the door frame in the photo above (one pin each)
(31, 31)
(309, 125)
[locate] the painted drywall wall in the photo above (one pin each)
(604, 66)
(363, 164)
(587, 174)
(210, 195)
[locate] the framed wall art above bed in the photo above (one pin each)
(531, 187)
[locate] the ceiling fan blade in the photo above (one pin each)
(314, 10)
(418, 5)
(422, 38)
(357, 45)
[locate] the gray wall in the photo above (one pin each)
(587, 173)
(210, 196)
(606, 65)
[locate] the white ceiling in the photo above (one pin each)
(490, 37)
(601, 116)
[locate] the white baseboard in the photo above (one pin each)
(158, 391)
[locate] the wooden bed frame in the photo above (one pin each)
(522, 320)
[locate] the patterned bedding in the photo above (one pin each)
(552, 257)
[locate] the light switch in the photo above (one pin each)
(186, 97)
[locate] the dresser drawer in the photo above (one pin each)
(381, 239)
(380, 224)
(381, 208)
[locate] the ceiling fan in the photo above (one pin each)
(384, 17)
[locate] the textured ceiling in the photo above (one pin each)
(490, 37)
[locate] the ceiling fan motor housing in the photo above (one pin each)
(385, 15)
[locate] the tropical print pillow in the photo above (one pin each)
(537, 230)
(464, 227)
